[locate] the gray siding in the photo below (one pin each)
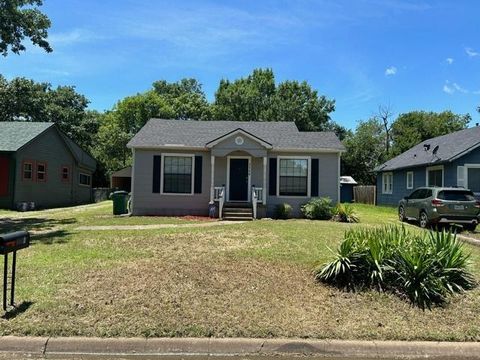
(49, 148)
(145, 202)
(328, 182)
(81, 194)
(249, 146)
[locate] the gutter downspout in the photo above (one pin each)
(131, 208)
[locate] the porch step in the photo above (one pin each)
(238, 213)
(237, 205)
(238, 210)
(236, 218)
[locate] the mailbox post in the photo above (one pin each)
(10, 243)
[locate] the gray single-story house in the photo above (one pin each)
(39, 164)
(182, 166)
(448, 160)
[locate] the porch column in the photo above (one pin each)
(264, 192)
(212, 177)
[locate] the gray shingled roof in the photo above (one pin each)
(450, 147)
(14, 135)
(191, 133)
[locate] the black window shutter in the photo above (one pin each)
(272, 177)
(157, 165)
(314, 178)
(197, 188)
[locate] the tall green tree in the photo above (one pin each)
(111, 140)
(414, 127)
(20, 19)
(245, 99)
(365, 150)
(184, 99)
(258, 98)
(26, 100)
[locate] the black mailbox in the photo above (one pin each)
(10, 243)
(14, 241)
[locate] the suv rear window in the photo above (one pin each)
(456, 195)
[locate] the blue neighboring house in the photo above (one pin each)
(448, 160)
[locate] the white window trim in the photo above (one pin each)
(384, 175)
(436, 167)
(88, 175)
(162, 170)
(465, 174)
(408, 174)
(227, 188)
(309, 176)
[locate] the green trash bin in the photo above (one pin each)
(120, 201)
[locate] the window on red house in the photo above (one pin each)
(65, 173)
(27, 171)
(41, 172)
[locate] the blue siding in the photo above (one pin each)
(399, 185)
(419, 178)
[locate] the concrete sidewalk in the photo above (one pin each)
(167, 347)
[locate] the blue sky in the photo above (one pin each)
(410, 54)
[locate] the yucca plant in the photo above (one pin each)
(343, 271)
(425, 268)
(452, 261)
(417, 278)
(432, 268)
(345, 213)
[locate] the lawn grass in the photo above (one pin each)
(63, 219)
(249, 279)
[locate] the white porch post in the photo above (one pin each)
(264, 192)
(212, 177)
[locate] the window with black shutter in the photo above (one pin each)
(177, 174)
(314, 178)
(272, 177)
(157, 165)
(198, 175)
(293, 177)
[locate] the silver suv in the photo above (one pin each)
(439, 205)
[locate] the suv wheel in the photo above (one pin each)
(423, 220)
(401, 214)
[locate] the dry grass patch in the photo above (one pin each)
(213, 296)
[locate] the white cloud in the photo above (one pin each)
(449, 61)
(459, 88)
(472, 53)
(392, 70)
(448, 89)
(72, 37)
(451, 88)
(477, 92)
